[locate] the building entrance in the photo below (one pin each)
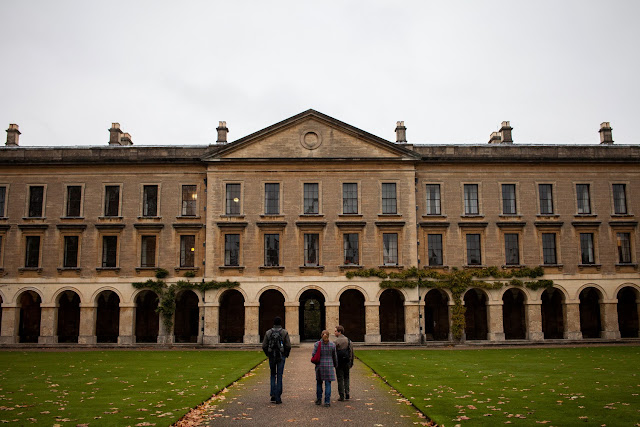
(312, 315)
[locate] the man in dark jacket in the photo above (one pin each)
(277, 346)
(344, 348)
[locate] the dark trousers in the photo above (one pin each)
(276, 377)
(342, 372)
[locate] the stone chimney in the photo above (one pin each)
(126, 139)
(505, 133)
(13, 134)
(222, 133)
(495, 138)
(605, 134)
(115, 134)
(401, 133)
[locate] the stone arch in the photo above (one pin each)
(107, 301)
(514, 321)
(29, 301)
(147, 320)
(352, 313)
(312, 313)
(599, 288)
(590, 312)
(237, 288)
(25, 289)
(436, 315)
(315, 288)
(553, 302)
(68, 316)
(402, 291)
(355, 288)
(272, 288)
(96, 294)
(475, 316)
(186, 317)
(271, 305)
(231, 317)
(391, 315)
(61, 290)
(628, 306)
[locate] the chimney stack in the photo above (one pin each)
(505, 133)
(401, 133)
(222, 133)
(13, 134)
(605, 134)
(495, 138)
(126, 139)
(114, 134)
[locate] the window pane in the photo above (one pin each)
(433, 199)
(233, 199)
(624, 248)
(150, 202)
(509, 199)
(586, 246)
(70, 252)
(549, 248)
(390, 249)
(112, 200)
(389, 204)
(311, 256)
(351, 249)
(32, 258)
(473, 249)
(272, 199)
(311, 204)
(434, 242)
(36, 197)
(546, 199)
(187, 250)
(271, 249)
(189, 200)
(350, 198)
(74, 199)
(619, 199)
(109, 251)
(148, 252)
(584, 204)
(3, 197)
(471, 199)
(232, 249)
(511, 249)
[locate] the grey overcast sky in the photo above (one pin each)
(168, 71)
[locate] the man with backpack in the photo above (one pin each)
(345, 362)
(277, 346)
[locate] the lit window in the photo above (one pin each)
(233, 199)
(187, 250)
(189, 200)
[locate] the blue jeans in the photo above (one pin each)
(327, 391)
(276, 377)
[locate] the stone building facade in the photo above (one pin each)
(287, 211)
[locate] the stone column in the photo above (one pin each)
(572, 321)
(534, 321)
(251, 322)
(10, 320)
(127, 322)
(292, 314)
(211, 323)
(87, 333)
(200, 323)
(165, 336)
(450, 319)
(609, 315)
(48, 320)
(411, 321)
(372, 321)
(494, 321)
(332, 315)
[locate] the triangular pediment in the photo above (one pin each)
(312, 135)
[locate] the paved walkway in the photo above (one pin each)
(373, 403)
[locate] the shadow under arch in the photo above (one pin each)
(436, 315)
(475, 316)
(29, 302)
(231, 316)
(352, 314)
(514, 321)
(628, 298)
(68, 324)
(271, 306)
(553, 300)
(187, 316)
(108, 316)
(590, 312)
(391, 316)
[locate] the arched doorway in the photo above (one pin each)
(108, 317)
(352, 315)
(628, 312)
(513, 316)
(590, 323)
(68, 327)
(231, 323)
(30, 314)
(436, 315)
(271, 306)
(391, 315)
(475, 316)
(552, 314)
(187, 317)
(147, 319)
(312, 315)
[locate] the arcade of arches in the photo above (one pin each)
(392, 318)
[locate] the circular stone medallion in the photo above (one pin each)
(310, 139)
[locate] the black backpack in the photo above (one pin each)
(276, 345)
(344, 355)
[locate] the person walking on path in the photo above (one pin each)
(277, 346)
(325, 370)
(345, 362)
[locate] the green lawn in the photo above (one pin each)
(552, 386)
(113, 387)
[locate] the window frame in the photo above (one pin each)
(104, 256)
(145, 237)
(306, 242)
(467, 211)
(4, 206)
(592, 241)
(184, 209)
(439, 199)
(182, 257)
(621, 261)
(104, 200)
(239, 249)
(551, 198)
(504, 200)
(27, 252)
(624, 198)
(65, 251)
(269, 203)
(555, 247)
(440, 249)
(268, 262)
(580, 200)
(344, 199)
(227, 207)
(388, 248)
(143, 212)
(345, 241)
(65, 208)
(508, 240)
(388, 199)
(468, 249)
(304, 198)
(43, 202)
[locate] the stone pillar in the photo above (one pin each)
(494, 321)
(48, 320)
(609, 315)
(87, 333)
(292, 314)
(10, 320)
(251, 322)
(211, 323)
(572, 321)
(127, 322)
(332, 315)
(450, 320)
(372, 321)
(534, 321)
(200, 323)
(411, 321)
(165, 336)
